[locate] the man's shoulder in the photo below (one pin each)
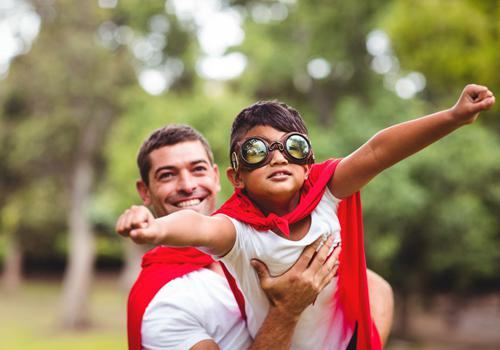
(199, 292)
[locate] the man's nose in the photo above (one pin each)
(186, 183)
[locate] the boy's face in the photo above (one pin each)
(277, 181)
(181, 177)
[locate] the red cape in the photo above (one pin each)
(159, 266)
(352, 286)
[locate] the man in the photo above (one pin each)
(194, 308)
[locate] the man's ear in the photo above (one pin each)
(234, 177)
(217, 178)
(143, 191)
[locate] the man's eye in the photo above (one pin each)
(164, 176)
(199, 169)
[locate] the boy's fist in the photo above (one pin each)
(473, 100)
(133, 219)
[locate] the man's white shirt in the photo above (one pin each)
(195, 307)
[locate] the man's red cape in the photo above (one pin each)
(352, 286)
(159, 266)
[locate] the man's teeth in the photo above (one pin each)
(188, 203)
(280, 174)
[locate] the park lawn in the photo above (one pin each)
(28, 318)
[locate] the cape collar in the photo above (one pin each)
(242, 208)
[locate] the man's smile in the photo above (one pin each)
(190, 202)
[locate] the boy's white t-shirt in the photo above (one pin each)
(321, 325)
(195, 307)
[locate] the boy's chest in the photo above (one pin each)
(280, 253)
(299, 229)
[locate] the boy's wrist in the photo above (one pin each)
(455, 117)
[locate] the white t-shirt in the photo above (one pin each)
(321, 325)
(192, 308)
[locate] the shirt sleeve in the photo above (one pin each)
(167, 326)
(238, 241)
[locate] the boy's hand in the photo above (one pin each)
(297, 288)
(474, 99)
(133, 221)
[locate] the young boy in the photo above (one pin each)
(282, 203)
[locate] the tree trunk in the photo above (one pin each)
(13, 265)
(81, 247)
(132, 266)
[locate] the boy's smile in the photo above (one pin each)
(274, 187)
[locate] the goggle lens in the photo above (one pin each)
(297, 146)
(254, 151)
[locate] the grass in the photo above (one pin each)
(28, 321)
(28, 318)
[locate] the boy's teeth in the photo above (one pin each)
(188, 203)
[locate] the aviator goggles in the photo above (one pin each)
(255, 152)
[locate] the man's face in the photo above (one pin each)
(181, 177)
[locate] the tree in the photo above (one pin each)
(72, 97)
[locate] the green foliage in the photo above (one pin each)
(452, 43)
(211, 115)
(431, 222)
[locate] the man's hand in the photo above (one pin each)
(297, 288)
(473, 100)
(134, 219)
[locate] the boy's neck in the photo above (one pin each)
(277, 206)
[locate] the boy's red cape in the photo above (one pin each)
(352, 285)
(159, 266)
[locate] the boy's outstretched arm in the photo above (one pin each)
(214, 235)
(397, 142)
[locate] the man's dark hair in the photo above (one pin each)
(273, 113)
(168, 136)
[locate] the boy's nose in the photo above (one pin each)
(277, 157)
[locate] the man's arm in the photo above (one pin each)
(290, 293)
(400, 141)
(381, 304)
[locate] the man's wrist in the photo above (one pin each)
(284, 314)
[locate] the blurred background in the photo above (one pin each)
(83, 83)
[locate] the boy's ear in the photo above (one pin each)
(308, 170)
(143, 191)
(234, 177)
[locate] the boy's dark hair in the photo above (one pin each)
(168, 136)
(273, 113)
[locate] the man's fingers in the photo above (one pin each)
(327, 277)
(307, 255)
(261, 269)
(321, 255)
(329, 269)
